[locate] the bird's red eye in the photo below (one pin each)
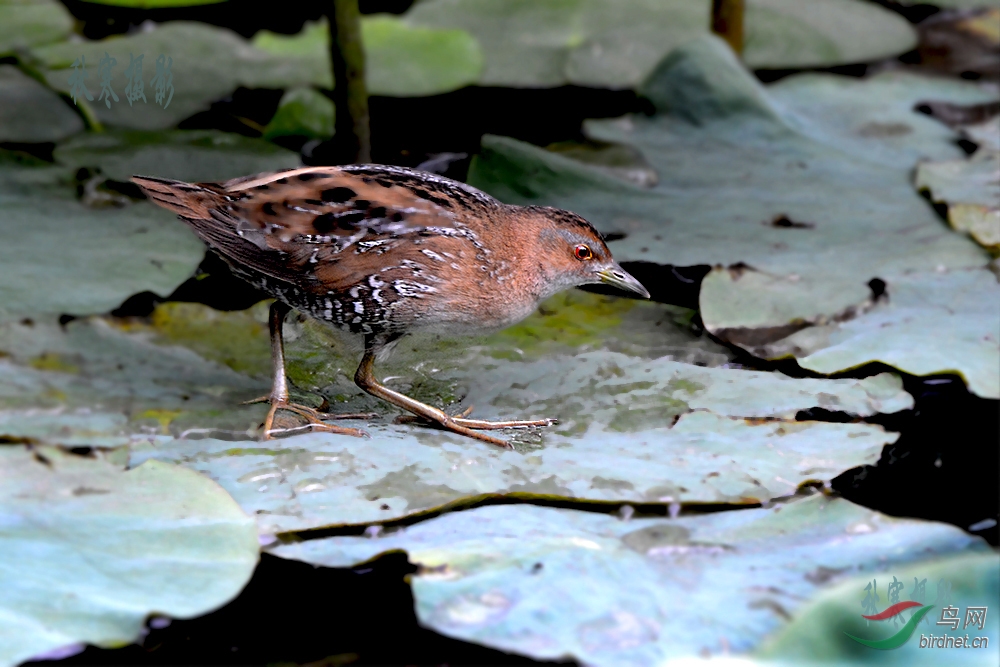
(583, 252)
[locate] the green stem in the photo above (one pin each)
(727, 22)
(352, 137)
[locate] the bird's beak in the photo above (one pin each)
(619, 277)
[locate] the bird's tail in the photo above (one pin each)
(188, 200)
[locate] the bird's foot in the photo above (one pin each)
(459, 424)
(314, 419)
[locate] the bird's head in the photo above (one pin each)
(573, 253)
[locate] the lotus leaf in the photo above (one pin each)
(90, 550)
(401, 60)
(971, 181)
(91, 383)
(985, 134)
(557, 584)
(971, 189)
(26, 23)
(188, 155)
(302, 112)
(907, 330)
(207, 63)
(815, 634)
(405, 60)
(755, 179)
(547, 43)
(31, 113)
(74, 259)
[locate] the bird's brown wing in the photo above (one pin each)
(328, 226)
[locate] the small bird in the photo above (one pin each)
(383, 251)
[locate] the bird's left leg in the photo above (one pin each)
(278, 398)
(365, 378)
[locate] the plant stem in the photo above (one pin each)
(727, 22)
(352, 136)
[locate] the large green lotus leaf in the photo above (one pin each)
(971, 190)
(188, 155)
(552, 583)
(26, 23)
(754, 179)
(30, 112)
(596, 43)
(873, 118)
(815, 636)
(302, 112)
(319, 480)
(90, 550)
(208, 63)
(908, 330)
(404, 60)
(60, 256)
(401, 60)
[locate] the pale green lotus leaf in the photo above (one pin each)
(91, 550)
(547, 43)
(874, 118)
(320, 480)
(188, 155)
(975, 180)
(908, 331)
(563, 584)
(985, 134)
(207, 63)
(404, 60)
(74, 259)
(401, 60)
(302, 112)
(971, 190)
(26, 23)
(807, 207)
(815, 635)
(32, 113)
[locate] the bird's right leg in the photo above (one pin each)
(278, 398)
